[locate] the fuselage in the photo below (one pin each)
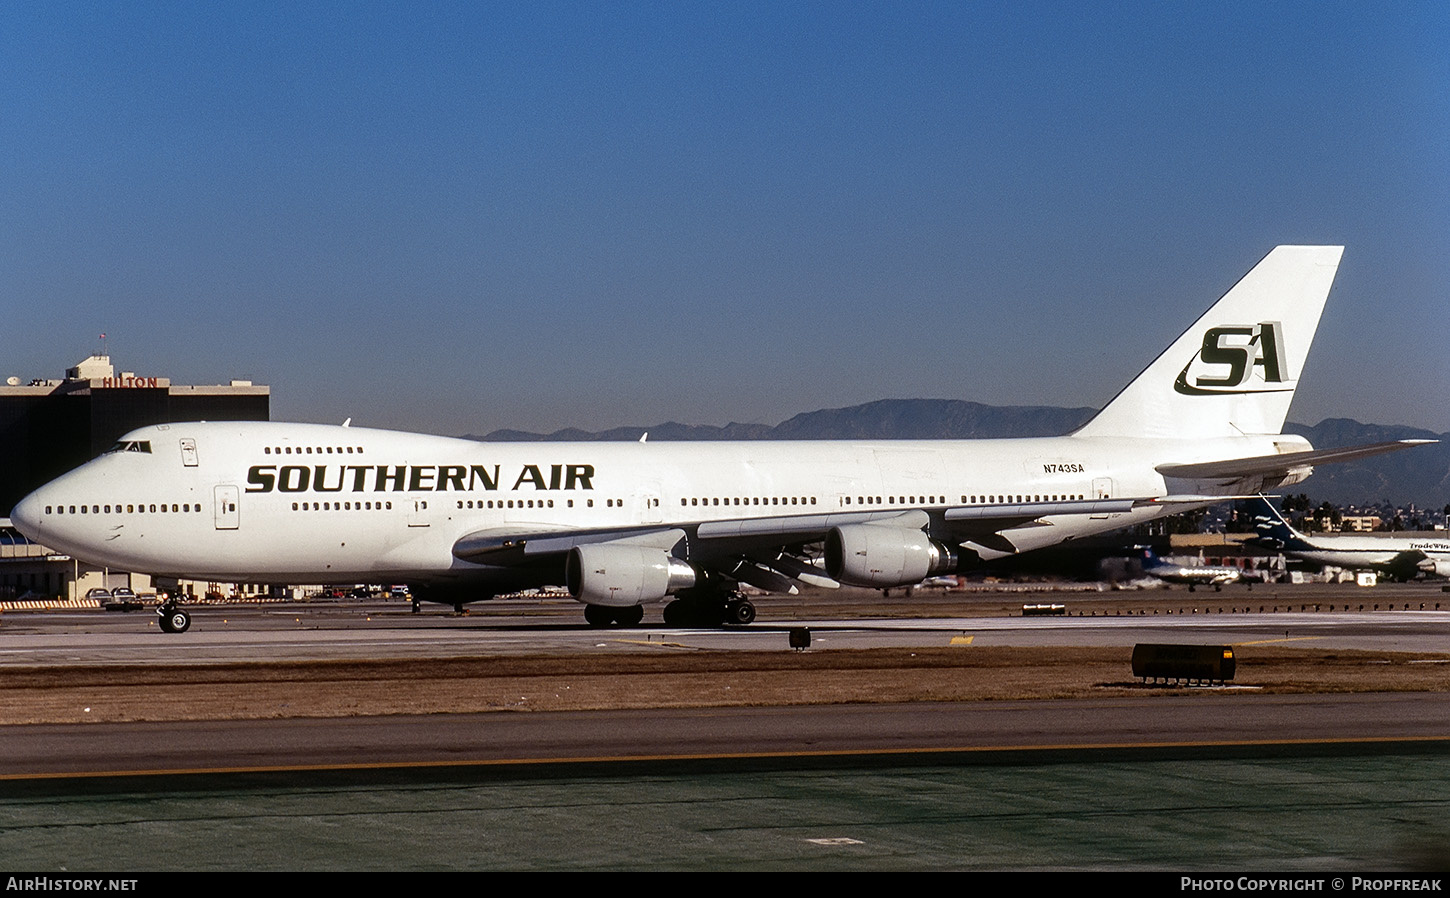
(278, 502)
(1385, 553)
(1179, 573)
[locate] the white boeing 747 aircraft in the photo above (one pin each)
(627, 524)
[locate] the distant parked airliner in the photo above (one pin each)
(1401, 557)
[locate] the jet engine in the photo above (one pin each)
(623, 575)
(881, 556)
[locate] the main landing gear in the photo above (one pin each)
(679, 613)
(713, 603)
(730, 608)
(172, 618)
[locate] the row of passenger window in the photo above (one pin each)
(309, 450)
(341, 506)
(191, 508)
(513, 503)
(754, 500)
(966, 500)
(184, 508)
(780, 500)
(534, 503)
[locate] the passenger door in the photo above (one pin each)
(228, 515)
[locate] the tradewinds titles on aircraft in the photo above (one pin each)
(626, 525)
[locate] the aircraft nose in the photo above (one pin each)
(26, 516)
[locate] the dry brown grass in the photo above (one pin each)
(698, 679)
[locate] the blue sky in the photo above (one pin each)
(458, 217)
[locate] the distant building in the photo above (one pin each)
(48, 427)
(1361, 523)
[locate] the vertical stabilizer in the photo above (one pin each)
(1270, 528)
(1235, 370)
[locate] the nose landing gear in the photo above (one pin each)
(172, 618)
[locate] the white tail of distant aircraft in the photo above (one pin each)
(626, 524)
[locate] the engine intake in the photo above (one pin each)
(619, 576)
(882, 556)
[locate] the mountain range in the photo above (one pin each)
(1420, 476)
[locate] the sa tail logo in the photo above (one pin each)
(1230, 359)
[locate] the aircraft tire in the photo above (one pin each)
(176, 621)
(598, 615)
(693, 613)
(629, 617)
(741, 612)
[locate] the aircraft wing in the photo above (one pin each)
(511, 547)
(705, 539)
(768, 551)
(1280, 464)
(1406, 564)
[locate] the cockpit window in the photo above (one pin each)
(131, 446)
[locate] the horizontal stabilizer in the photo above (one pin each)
(1281, 464)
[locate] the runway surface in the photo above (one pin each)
(1216, 718)
(1211, 779)
(1163, 726)
(1400, 617)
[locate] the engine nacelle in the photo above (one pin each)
(881, 556)
(619, 576)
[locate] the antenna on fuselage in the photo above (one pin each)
(347, 422)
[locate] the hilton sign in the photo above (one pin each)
(130, 382)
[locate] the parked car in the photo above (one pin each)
(99, 594)
(123, 599)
